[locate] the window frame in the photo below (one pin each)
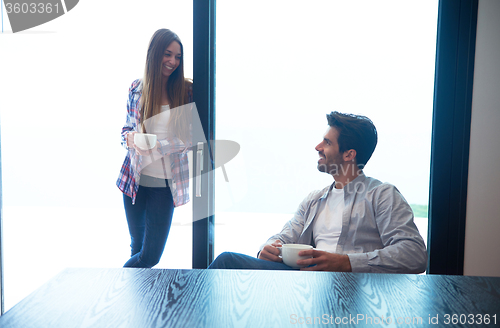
(204, 97)
(453, 84)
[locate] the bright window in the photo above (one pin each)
(281, 67)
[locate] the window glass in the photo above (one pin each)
(65, 86)
(281, 67)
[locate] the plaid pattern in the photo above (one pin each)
(128, 180)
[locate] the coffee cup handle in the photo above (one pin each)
(279, 248)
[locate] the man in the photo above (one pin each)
(357, 224)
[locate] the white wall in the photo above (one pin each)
(482, 231)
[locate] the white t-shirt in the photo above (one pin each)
(328, 225)
(158, 125)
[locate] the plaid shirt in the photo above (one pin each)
(128, 180)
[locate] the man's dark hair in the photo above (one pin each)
(355, 132)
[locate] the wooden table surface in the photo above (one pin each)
(233, 298)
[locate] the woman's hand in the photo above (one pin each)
(130, 139)
(146, 152)
(139, 151)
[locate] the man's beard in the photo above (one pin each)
(332, 168)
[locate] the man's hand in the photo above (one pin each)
(271, 252)
(324, 261)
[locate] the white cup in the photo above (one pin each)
(145, 141)
(290, 254)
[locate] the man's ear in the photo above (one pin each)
(350, 155)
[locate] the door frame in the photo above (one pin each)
(454, 79)
(204, 97)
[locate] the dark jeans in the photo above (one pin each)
(228, 260)
(149, 221)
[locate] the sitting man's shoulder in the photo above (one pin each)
(369, 184)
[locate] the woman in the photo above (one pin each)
(155, 181)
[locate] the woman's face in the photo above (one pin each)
(171, 59)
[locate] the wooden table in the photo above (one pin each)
(230, 298)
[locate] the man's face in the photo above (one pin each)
(329, 157)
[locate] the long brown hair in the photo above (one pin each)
(177, 86)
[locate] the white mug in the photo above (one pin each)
(290, 254)
(145, 141)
